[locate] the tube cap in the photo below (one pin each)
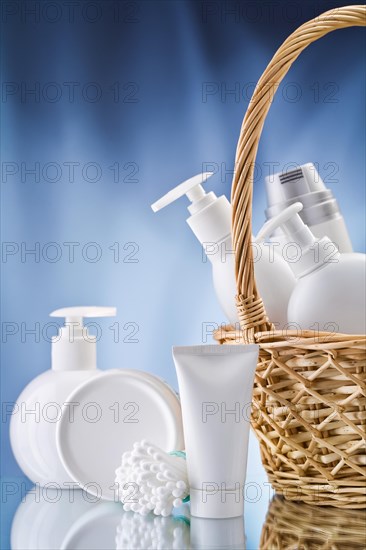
(217, 504)
(210, 218)
(74, 348)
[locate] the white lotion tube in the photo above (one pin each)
(215, 385)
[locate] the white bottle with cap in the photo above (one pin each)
(320, 209)
(210, 221)
(38, 409)
(330, 294)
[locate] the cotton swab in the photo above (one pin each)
(150, 479)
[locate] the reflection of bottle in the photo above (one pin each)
(48, 518)
(298, 525)
(321, 211)
(94, 530)
(223, 534)
(210, 221)
(136, 531)
(38, 408)
(330, 293)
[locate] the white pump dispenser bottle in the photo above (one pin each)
(38, 408)
(210, 221)
(330, 294)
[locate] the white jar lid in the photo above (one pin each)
(104, 417)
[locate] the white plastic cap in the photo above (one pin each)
(74, 348)
(210, 218)
(294, 183)
(313, 253)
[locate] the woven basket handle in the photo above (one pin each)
(251, 311)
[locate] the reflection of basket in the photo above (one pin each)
(291, 526)
(309, 410)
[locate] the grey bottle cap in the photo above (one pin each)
(292, 184)
(302, 184)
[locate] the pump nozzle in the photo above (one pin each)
(210, 218)
(301, 236)
(291, 224)
(74, 348)
(192, 188)
(77, 313)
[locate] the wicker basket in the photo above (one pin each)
(292, 525)
(309, 404)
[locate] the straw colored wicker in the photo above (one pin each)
(309, 405)
(293, 525)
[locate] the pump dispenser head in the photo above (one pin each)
(313, 253)
(210, 218)
(74, 348)
(194, 191)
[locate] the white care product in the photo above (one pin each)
(160, 478)
(110, 414)
(321, 212)
(38, 409)
(216, 384)
(330, 294)
(210, 221)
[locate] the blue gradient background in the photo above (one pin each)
(168, 52)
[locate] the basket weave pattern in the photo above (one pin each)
(292, 525)
(309, 403)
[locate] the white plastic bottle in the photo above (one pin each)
(38, 408)
(330, 294)
(210, 221)
(320, 209)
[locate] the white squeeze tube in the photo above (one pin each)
(215, 385)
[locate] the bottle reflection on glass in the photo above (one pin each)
(55, 519)
(298, 525)
(217, 534)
